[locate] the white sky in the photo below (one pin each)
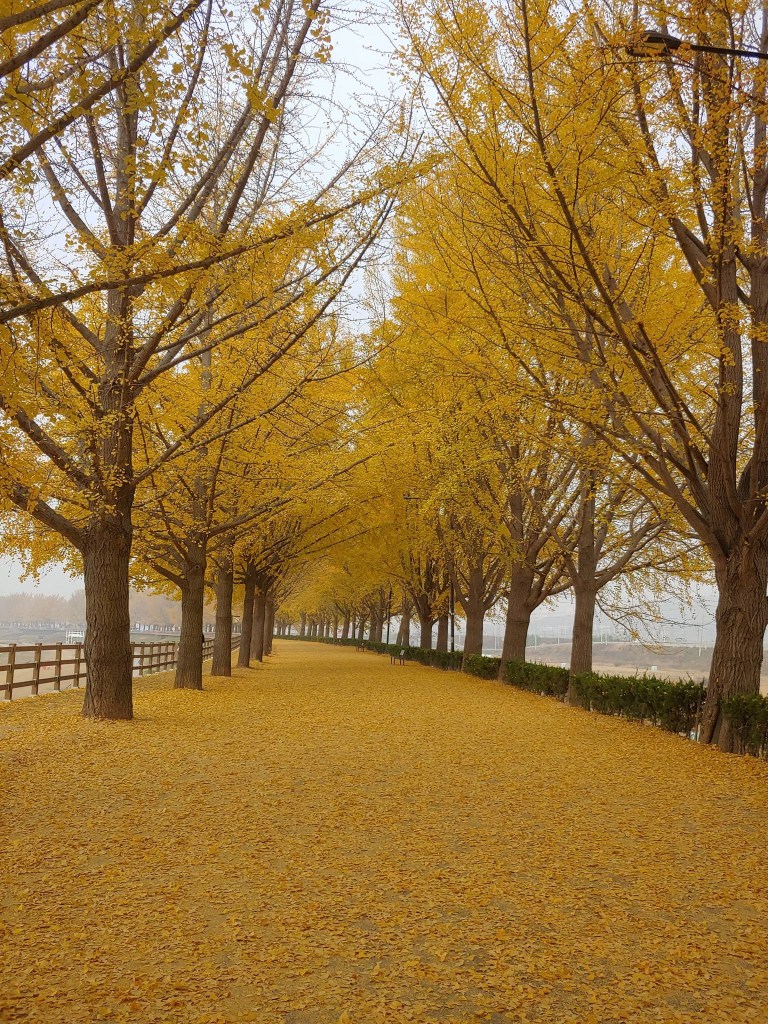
(54, 581)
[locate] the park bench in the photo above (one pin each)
(360, 645)
(397, 657)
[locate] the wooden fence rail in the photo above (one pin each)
(47, 666)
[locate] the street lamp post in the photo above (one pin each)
(655, 43)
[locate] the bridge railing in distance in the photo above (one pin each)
(52, 667)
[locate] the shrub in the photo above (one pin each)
(478, 665)
(447, 659)
(672, 706)
(748, 717)
(420, 654)
(545, 679)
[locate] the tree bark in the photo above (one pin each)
(269, 624)
(583, 626)
(106, 555)
(244, 654)
(222, 647)
(381, 616)
(442, 634)
(740, 629)
(425, 632)
(259, 617)
(404, 629)
(584, 580)
(474, 609)
(518, 617)
(345, 627)
(189, 667)
(361, 629)
(303, 626)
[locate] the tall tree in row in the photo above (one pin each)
(155, 187)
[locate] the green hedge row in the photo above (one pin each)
(486, 668)
(674, 706)
(544, 679)
(479, 665)
(748, 716)
(671, 706)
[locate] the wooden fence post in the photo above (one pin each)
(9, 671)
(11, 668)
(36, 669)
(57, 669)
(77, 665)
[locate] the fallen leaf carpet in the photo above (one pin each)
(328, 837)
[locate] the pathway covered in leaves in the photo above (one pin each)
(329, 838)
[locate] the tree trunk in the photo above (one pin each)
(361, 629)
(269, 624)
(222, 647)
(404, 629)
(257, 634)
(474, 610)
(518, 617)
(335, 627)
(473, 635)
(244, 654)
(584, 581)
(425, 632)
(106, 554)
(740, 628)
(583, 626)
(189, 667)
(345, 627)
(381, 616)
(442, 634)
(303, 626)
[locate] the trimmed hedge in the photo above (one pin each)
(671, 706)
(748, 716)
(544, 679)
(479, 665)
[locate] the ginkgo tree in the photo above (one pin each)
(633, 196)
(113, 257)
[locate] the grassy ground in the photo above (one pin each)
(329, 838)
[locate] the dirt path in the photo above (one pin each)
(329, 838)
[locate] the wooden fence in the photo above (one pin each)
(45, 667)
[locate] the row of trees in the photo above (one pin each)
(180, 212)
(563, 381)
(580, 290)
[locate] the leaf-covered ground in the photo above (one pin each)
(328, 837)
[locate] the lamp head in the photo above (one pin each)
(654, 43)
